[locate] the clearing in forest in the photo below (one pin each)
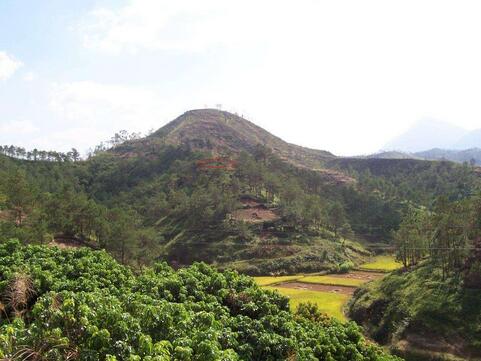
(253, 211)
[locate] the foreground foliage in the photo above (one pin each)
(81, 304)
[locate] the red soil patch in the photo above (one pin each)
(344, 290)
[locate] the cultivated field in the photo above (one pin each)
(330, 303)
(382, 264)
(330, 292)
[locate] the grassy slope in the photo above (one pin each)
(381, 264)
(419, 310)
(308, 254)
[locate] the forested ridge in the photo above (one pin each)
(165, 203)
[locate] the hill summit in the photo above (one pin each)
(224, 133)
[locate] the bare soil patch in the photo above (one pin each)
(255, 215)
(344, 290)
(360, 275)
(70, 243)
(64, 244)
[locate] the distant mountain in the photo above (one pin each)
(469, 140)
(427, 134)
(392, 155)
(472, 155)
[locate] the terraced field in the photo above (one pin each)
(330, 292)
(382, 264)
(330, 303)
(268, 281)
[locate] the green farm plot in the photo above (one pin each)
(382, 264)
(271, 280)
(330, 303)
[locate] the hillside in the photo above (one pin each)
(202, 189)
(430, 309)
(421, 316)
(263, 215)
(417, 181)
(223, 133)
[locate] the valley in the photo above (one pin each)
(240, 180)
(330, 292)
(183, 218)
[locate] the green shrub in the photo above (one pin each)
(87, 306)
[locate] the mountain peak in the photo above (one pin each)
(223, 133)
(215, 130)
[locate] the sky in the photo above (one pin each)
(344, 76)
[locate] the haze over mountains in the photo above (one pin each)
(435, 140)
(430, 133)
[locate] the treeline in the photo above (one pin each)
(39, 205)
(449, 236)
(39, 155)
(118, 139)
(71, 156)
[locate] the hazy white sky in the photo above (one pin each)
(344, 76)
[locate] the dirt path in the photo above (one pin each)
(318, 287)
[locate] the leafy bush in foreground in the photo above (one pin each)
(81, 304)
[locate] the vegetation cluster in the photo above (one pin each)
(82, 304)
